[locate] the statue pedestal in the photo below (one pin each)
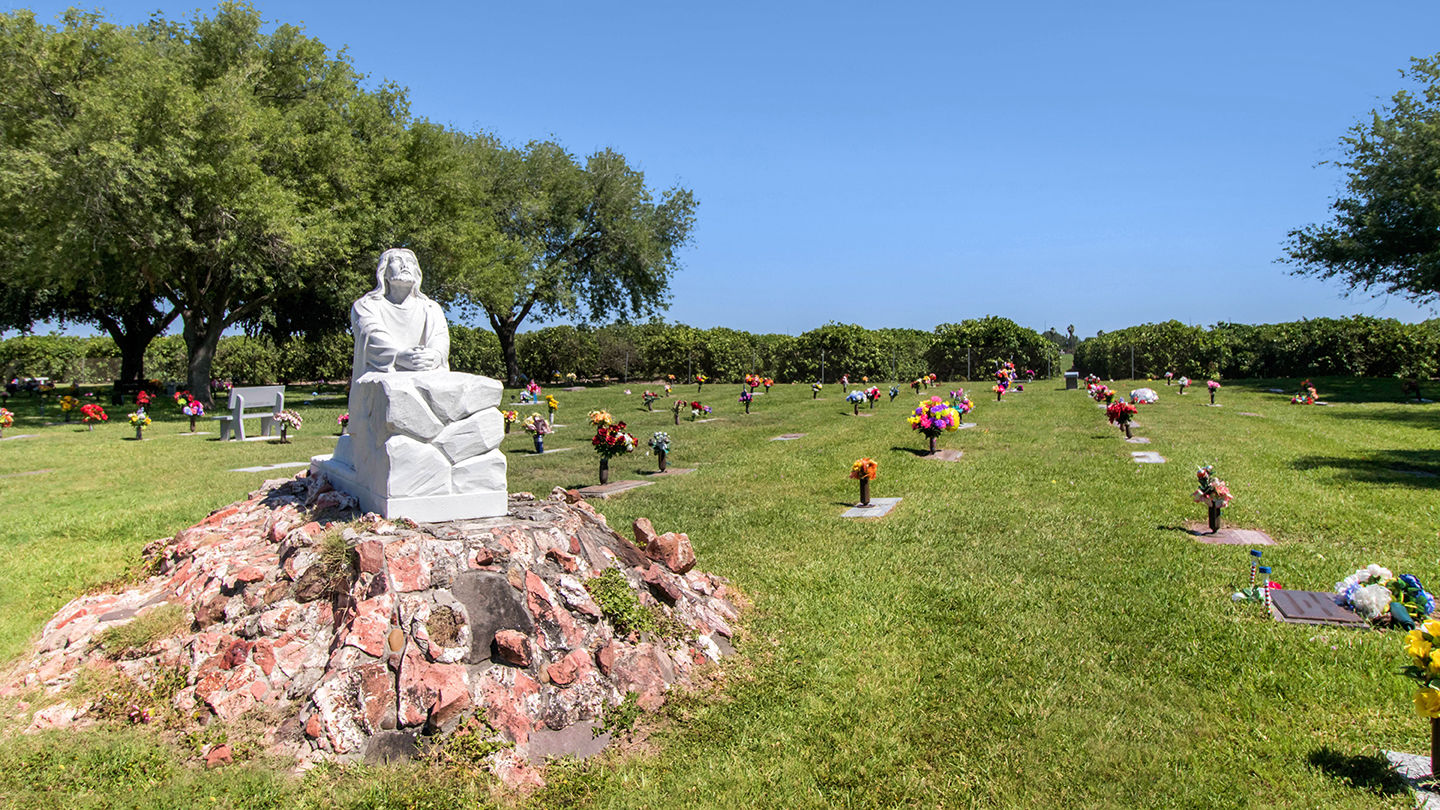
(422, 445)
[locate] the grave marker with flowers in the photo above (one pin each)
(611, 440)
(537, 427)
(677, 407)
(69, 406)
(288, 419)
(855, 398)
(139, 420)
(1122, 414)
(190, 406)
(933, 417)
(745, 399)
(7, 418)
(1169, 375)
(894, 392)
(864, 470)
(649, 398)
(1183, 382)
(510, 417)
(660, 443)
(873, 394)
(698, 409)
(1422, 644)
(553, 404)
(815, 390)
(90, 413)
(343, 420)
(1212, 492)
(700, 380)
(1213, 386)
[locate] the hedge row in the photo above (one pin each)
(647, 351)
(1357, 346)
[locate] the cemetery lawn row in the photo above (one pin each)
(1031, 625)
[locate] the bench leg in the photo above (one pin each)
(239, 425)
(224, 430)
(267, 425)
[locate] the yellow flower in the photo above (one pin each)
(1416, 645)
(1431, 627)
(1433, 665)
(1427, 702)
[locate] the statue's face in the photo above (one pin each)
(399, 269)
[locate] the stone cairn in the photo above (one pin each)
(430, 624)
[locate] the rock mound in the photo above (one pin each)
(363, 634)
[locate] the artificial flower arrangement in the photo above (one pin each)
(700, 380)
(872, 393)
(192, 408)
(1169, 375)
(1212, 492)
(999, 391)
(1183, 382)
(677, 407)
(844, 382)
(536, 426)
(532, 388)
(649, 398)
(667, 389)
(142, 399)
(933, 417)
(670, 377)
(220, 386)
(69, 404)
(553, 404)
(660, 443)
(1213, 386)
(865, 470)
(343, 420)
(571, 377)
(933, 378)
(815, 390)
(7, 418)
(139, 420)
(894, 392)
(600, 418)
(288, 419)
(1091, 379)
(1102, 393)
(963, 403)
(698, 410)
(611, 440)
(1421, 645)
(1307, 395)
(915, 385)
(745, 399)
(1376, 594)
(767, 382)
(752, 381)
(855, 398)
(91, 412)
(1121, 414)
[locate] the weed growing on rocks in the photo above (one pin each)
(620, 717)
(611, 591)
(465, 749)
(145, 629)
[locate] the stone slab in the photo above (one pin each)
(20, 436)
(27, 472)
(1228, 536)
(1216, 405)
(788, 437)
(1416, 771)
(712, 419)
(548, 451)
(1321, 404)
(879, 507)
(1147, 457)
(578, 740)
(280, 466)
(196, 433)
(607, 491)
(1137, 440)
(945, 455)
(965, 426)
(574, 388)
(1276, 390)
(670, 471)
(422, 508)
(1248, 413)
(1311, 607)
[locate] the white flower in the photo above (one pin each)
(1379, 572)
(1371, 601)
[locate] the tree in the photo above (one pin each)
(1385, 232)
(553, 238)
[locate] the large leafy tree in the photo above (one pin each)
(548, 236)
(235, 175)
(1385, 234)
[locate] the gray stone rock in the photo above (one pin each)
(390, 746)
(491, 604)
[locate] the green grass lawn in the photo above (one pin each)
(1029, 627)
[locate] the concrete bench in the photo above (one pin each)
(257, 402)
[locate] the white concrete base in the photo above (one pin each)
(1415, 770)
(426, 508)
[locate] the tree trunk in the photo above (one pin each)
(505, 331)
(202, 336)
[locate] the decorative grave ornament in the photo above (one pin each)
(660, 443)
(611, 440)
(677, 407)
(1212, 492)
(855, 398)
(288, 419)
(865, 470)
(90, 413)
(423, 441)
(1121, 414)
(933, 417)
(745, 398)
(139, 420)
(1213, 386)
(7, 418)
(537, 427)
(510, 417)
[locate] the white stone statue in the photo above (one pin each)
(423, 441)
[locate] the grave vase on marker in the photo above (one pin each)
(864, 491)
(192, 424)
(604, 469)
(1126, 426)
(661, 454)
(932, 445)
(1212, 396)
(539, 444)
(1214, 518)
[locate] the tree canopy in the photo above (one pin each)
(1385, 233)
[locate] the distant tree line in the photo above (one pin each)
(1356, 346)
(620, 351)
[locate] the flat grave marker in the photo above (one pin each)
(1415, 770)
(945, 455)
(1247, 413)
(280, 466)
(1276, 390)
(547, 452)
(1147, 457)
(20, 436)
(607, 491)
(1137, 440)
(1228, 536)
(671, 471)
(879, 507)
(788, 437)
(1311, 607)
(27, 472)
(965, 425)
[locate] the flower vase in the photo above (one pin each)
(872, 404)
(677, 417)
(284, 437)
(857, 408)
(1214, 518)
(1128, 434)
(1212, 397)
(552, 416)
(67, 417)
(747, 407)
(814, 394)
(507, 429)
(650, 406)
(604, 469)
(932, 445)
(539, 444)
(1167, 383)
(662, 454)
(90, 426)
(192, 424)
(864, 491)
(699, 387)
(139, 433)
(998, 394)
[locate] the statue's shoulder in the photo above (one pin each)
(365, 303)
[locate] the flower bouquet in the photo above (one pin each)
(571, 378)
(745, 398)
(933, 417)
(7, 418)
(142, 399)
(932, 379)
(1213, 386)
(752, 382)
(915, 385)
(815, 390)
(700, 380)
(872, 393)
(600, 418)
(1307, 395)
(963, 404)
(553, 404)
(68, 405)
(698, 410)
(91, 412)
(678, 406)
(536, 425)
(1422, 644)
(999, 392)
(1377, 595)
(649, 398)
(1212, 492)
(533, 389)
(1183, 382)
(844, 382)
(139, 421)
(611, 440)
(855, 398)
(343, 420)
(767, 382)
(194, 409)
(660, 443)
(1121, 413)
(1169, 375)
(288, 419)
(894, 392)
(865, 470)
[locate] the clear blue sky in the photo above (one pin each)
(891, 164)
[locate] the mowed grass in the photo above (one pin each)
(1030, 626)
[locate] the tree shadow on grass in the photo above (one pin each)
(1419, 416)
(1416, 468)
(1371, 772)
